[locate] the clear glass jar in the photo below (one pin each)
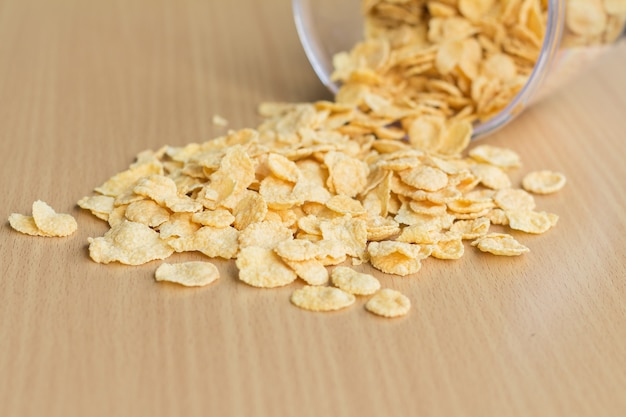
(327, 27)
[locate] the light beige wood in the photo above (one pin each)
(85, 84)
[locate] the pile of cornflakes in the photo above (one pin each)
(377, 176)
(304, 192)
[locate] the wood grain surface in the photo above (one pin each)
(86, 84)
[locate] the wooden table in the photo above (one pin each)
(85, 85)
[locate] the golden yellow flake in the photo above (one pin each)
(389, 303)
(448, 247)
(99, 205)
(52, 223)
(354, 282)
(543, 182)
(500, 244)
(189, 274)
(318, 298)
(214, 218)
(129, 243)
(310, 271)
(514, 199)
(261, 267)
(147, 212)
(500, 157)
(266, 234)
(531, 221)
(398, 258)
(25, 224)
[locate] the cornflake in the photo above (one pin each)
(311, 271)
(129, 243)
(398, 258)
(261, 267)
(189, 274)
(44, 222)
(316, 298)
(543, 182)
(500, 157)
(448, 248)
(531, 221)
(500, 244)
(297, 250)
(354, 282)
(147, 212)
(99, 205)
(219, 121)
(389, 303)
(25, 224)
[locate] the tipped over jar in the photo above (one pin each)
(477, 61)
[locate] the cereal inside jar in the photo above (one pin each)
(432, 64)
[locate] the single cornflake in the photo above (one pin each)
(491, 176)
(389, 303)
(318, 298)
(346, 175)
(455, 138)
(52, 223)
(471, 229)
(252, 208)
(297, 250)
(156, 187)
(354, 282)
(189, 274)
(465, 205)
(147, 212)
(266, 234)
(531, 221)
(514, 199)
(397, 258)
(343, 204)
(25, 224)
(125, 180)
(310, 271)
(424, 177)
(214, 218)
(501, 157)
(497, 216)
(118, 215)
(427, 207)
(543, 182)
(349, 231)
(332, 252)
(448, 248)
(219, 121)
(129, 243)
(499, 67)
(99, 205)
(381, 228)
(235, 174)
(311, 185)
(217, 242)
(278, 194)
(178, 225)
(283, 168)
(261, 267)
(585, 17)
(500, 244)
